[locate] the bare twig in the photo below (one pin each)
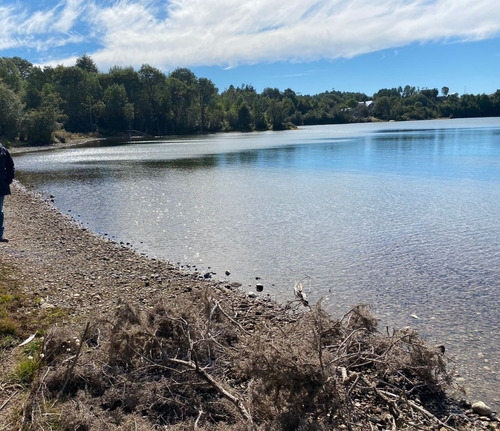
(8, 399)
(231, 319)
(238, 403)
(70, 369)
(419, 408)
(430, 415)
(200, 413)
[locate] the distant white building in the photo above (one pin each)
(365, 108)
(369, 104)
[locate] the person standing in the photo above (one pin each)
(6, 177)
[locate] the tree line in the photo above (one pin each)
(35, 102)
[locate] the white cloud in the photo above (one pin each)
(40, 29)
(192, 33)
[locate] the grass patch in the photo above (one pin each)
(6, 342)
(29, 364)
(10, 302)
(21, 315)
(8, 326)
(26, 370)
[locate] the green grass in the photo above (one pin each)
(8, 326)
(6, 342)
(10, 300)
(26, 370)
(20, 313)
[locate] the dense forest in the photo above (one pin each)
(36, 102)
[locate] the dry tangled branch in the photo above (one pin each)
(210, 363)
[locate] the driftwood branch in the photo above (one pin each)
(237, 402)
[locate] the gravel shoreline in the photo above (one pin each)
(60, 261)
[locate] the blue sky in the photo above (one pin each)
(309, 46)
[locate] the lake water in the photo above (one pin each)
(403, 216)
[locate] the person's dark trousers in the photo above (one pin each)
(1, 215)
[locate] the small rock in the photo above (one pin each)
(252, 295)
(440, 348)
(481, 409)
(259, 287)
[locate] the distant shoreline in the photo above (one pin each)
(55, 146)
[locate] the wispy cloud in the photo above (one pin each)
(192, 33)
(40, 29)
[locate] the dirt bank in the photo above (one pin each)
(167, 348)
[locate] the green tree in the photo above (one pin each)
(391, 93)
(128, 112)
(272, 93)
(259, 117)
(450, 106)
(430, 94)
(206, 92)
(485, 105)
(409, 91)
(154, 100)
(80, 91)
(125, 76)
(23, 66)
(495, 103)
(183, 87)
(10, 75)
(244, 117)
(115, 101)
(382, 108)
(276, 114)
(86, 63)
(39, 124)
(11, 110)
(34, 83)
(92, 104)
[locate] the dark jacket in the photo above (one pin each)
(6, 171)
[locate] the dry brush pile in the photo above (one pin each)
(210, 362)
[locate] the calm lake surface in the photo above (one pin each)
(403, 216)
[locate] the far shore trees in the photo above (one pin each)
(35, 102)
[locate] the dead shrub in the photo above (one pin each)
(210, 361)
